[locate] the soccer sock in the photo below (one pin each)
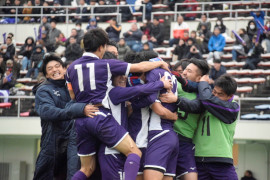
(79, 175)
(131, 167)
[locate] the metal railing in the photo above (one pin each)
(239, 100)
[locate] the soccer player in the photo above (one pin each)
(111, 161)
(89, 80)
(162, 150)
(216, 127)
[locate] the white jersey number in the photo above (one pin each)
(91, 67)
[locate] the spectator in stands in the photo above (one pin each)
(54, 32)
(11, 35)
(8, 80)
(191, 50)
(266, 41)
(178, 30)
(36, 10)
(8, 49)
(103, 10)
(46, 42)
(179, 50)
(92, 24)
(82, 9)
(73, 50)
(146, 28)
(258, 16)
(123, 49)
(145, 41)
(75, 35)
(220, 25)
(204, 37)
(7, 10)
(2, 65)
(27, 10)
(216, 45)
(46, 11)
(216, 71)
(13, 11)
(251, 29)
(44, 26)
(197, 41)
(60, 44)
(26, 51)
(238, 48)
(58, 155)
(148, 9)
(36, 61)
(248, 175)
(133, 37)
(79, 29)
(125, 11)
(254, 54)
(114, 30)
(146, 47)
(190, 16)
(157, 32)
(57, 10)
(204, 21)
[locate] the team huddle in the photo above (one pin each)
(148, 120)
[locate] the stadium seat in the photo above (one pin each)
(263, 117)
(159, 6)
(232, 71)
(229, 64)
(262, 107)
(243, 80)
(244, 72)
(257, 80)
(244, 89)
(249, 116)
(5, 105)
(256, 72)
(266, 56)
(24, 114)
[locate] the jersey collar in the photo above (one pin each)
(90, 54)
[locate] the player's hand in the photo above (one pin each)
(89, 110)
(168, 97)
(165, 66)
(205, 78)
(175, 116)
(167, 83)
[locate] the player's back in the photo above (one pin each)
(90, 78)
(157, 123)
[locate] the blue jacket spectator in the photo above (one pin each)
(148, 9)
(216, 43)
(259, 15)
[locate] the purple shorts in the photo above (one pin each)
(162, 151)
(212, 171)
(186, 160)
(102, 127)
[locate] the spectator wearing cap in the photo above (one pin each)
(73, 51)
(8, 79)
(92, 24)
(148, 9)
(125, 11)
(216, 71)
(8, 49)
(254, 54)
(26, 51)
(36, 61)
(57, 10)
(216, 45)
(44, 26)
(27, 10)
(133, 37)
(178, 30)
(82, 9)
(123, 49)
(204, 21)
(114, 30)
(79, 29)
(157, 32)
(54, 32)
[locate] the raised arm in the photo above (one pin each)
(147, 66)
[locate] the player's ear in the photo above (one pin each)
(198, 78)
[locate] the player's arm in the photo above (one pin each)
(226, 111)
(148, 66)
(184, 104)
(163, 112)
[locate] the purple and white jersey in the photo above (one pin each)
(91, 78)
(156, 122)
(117, 101)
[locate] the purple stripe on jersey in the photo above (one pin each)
(220, 107)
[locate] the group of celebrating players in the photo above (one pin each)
(147, 119)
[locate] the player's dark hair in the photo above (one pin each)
(109, 55)
(95, 38)
(9, 38)
(130, 57)
(183, 63)
(145, 56)
(201, 64)
(227, 83)
(204, 14)
(11, 34)
(50, 57)
(112, 43)
(217, 61)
